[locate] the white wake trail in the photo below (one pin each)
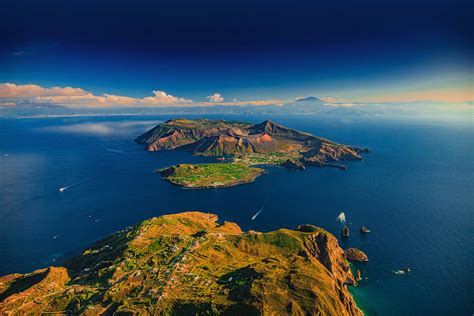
(255, 216)
(62, 189)
(341, 218)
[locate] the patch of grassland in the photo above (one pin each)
(211, 175)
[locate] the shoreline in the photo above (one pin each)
(353, 292)
(213, 186)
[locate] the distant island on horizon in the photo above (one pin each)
(241, 147)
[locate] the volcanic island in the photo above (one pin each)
(241, 148)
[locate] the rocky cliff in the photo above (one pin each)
(189, 263)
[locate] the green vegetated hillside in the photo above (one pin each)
(210, 175)
(189, 263)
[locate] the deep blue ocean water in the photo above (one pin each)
(414, 191)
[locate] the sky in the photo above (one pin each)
(188, 52)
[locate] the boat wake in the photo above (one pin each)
(62, 189)
(341, 218)
(118, 151)
(255, 216)
(401, 272)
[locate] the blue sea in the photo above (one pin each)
(414, 190)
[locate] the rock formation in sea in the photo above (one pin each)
(354, 254)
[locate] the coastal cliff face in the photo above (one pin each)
(189, 263)
(220, 138)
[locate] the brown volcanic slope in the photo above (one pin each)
(218, 138)
(189, 264)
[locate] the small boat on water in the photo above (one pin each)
(345, 231)
(407, 270)
(364, 230)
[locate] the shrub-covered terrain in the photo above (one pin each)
(190, 264)
(210, 175)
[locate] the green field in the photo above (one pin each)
(210, 174)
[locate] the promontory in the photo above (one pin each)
(191, 264)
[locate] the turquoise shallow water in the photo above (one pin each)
(414, 191)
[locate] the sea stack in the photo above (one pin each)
(354, 254)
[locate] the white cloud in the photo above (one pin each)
(345, 104)
(216, 97)
(160, 97)
(31, 94)
(7, 104)
(77, 97)
(328, 99)
(11, 90)
(103, 128)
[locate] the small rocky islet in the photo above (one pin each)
(189, 263)
(245, 145)
(356, 255)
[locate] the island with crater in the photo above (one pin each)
(241, 147)
(191, 264)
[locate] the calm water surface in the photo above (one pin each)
(414, 191)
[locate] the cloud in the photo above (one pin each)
(103, 128)
(345, 104)
(160, 97)
(334, 100)
(216, 97)
(11, 90)
(7, 104)
(77, 97)
(30, 94)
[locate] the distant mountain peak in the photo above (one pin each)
(306, 99)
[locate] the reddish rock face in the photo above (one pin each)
(354, 254)
(265, 138)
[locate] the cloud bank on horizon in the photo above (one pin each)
(30, 94)
(12, 95)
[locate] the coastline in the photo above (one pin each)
(213, 186)
(355, 292)
(60, 288)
